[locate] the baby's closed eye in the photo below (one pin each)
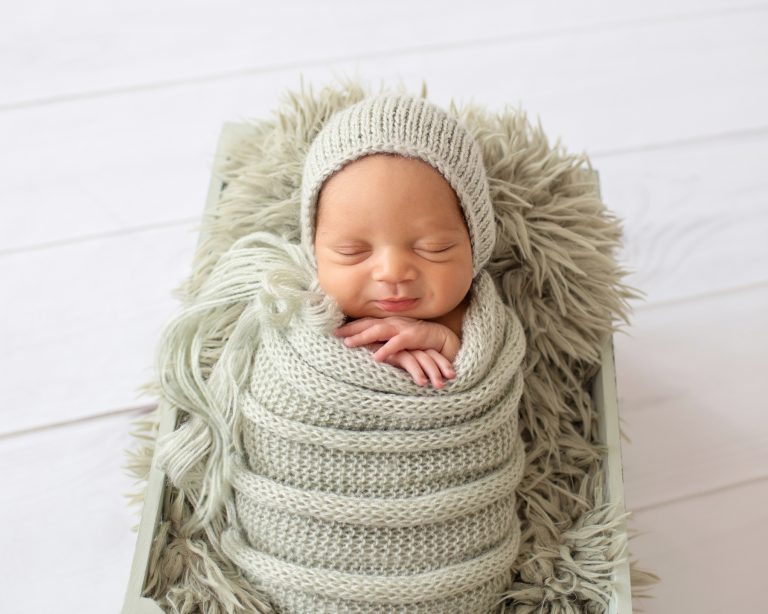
(351, 251)
(434, 248)
(436, 252)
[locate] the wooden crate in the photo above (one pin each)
(603, 391)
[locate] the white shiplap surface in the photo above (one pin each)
(109, 115)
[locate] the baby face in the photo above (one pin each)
(391, 240)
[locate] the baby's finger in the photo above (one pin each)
(375, 332)
(354, 327)
(446, 368)
(408, 362)
(394, 344)
(430, 367)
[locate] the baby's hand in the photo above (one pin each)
(424, 349)
(423, 366)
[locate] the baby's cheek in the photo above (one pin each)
(452, 289)
(343, 287)
(329, 279)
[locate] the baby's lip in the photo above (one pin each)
(399, 303)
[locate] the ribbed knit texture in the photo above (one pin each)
(412, 127)
(365, 491)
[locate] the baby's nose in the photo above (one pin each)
(394, 266)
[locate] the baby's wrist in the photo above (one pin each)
(452, 344)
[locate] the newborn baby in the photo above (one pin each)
(394, 251)
(361, 492)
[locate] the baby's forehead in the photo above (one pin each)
(379, 223)
(384, 178)
(387, 165)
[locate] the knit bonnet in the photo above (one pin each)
(414, 128)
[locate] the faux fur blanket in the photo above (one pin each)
(553, 266)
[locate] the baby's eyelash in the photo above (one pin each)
(433, 250)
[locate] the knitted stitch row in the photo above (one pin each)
(363, 491)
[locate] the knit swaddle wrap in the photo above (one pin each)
(367, 493)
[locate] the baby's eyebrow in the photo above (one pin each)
(347, 245)
(443, 233)
(348, 241)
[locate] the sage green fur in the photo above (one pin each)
(554, 263)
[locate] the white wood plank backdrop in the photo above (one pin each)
(109, 114)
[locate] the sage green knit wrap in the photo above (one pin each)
(364, 490)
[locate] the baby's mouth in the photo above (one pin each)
(396, 304)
